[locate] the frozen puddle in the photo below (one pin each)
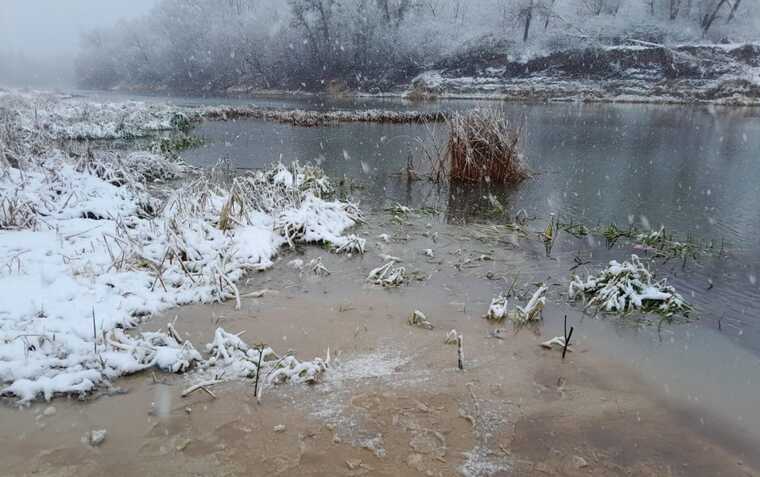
(375, 365)
(334, 401)
(483, 462)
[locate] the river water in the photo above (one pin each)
(693, 170)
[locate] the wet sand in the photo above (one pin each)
(393, 402)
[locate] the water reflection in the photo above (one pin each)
(688, 168)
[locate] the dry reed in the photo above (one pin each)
(483, 146)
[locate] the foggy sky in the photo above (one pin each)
(47, 32)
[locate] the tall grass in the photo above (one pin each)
(483, 146)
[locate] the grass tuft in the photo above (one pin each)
(483, 146)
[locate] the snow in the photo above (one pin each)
(497, 311)
(532, 311)
(232, 358)
(388, 275)
(67, 117)
(627, 287)
(86, 260)
(712, 73)
(535, 306)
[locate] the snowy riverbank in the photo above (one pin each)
(92, 244)
(646, 73)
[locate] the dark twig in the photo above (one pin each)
(460, 352)
(567, 338)
(258, 371)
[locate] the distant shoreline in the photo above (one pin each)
(713, 74)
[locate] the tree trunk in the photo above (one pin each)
(528, 18)
(733, 10)
(549, 14)
(675, 7)
(708, 20)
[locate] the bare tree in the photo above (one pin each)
(675, 7)
(527, 14)
(734, 7)
(709, 19)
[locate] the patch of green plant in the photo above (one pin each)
(575, 229)
(399, 213)
(612, 234)
(429, 211)
(171, 145)
(181, 122)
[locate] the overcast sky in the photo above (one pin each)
(45, 27)
(43, 36)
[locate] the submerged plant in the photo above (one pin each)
(533, 310)
(317, 268)
(387, 275)
(419, 320)
(661, 242)
(172, 145)
(497, 311)
(612, 234)
(626, 288)
(575, 229)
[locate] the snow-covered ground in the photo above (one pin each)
(88, 250)
(720, 74)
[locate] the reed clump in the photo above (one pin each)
(484, 146)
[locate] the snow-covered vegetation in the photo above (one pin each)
(91, 244)
(499, 309)
(331, 45)
(230, 357)
(626, 288)
(388, 275)
(63, 116)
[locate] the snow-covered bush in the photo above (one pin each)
(628, 287)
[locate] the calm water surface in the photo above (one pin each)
(695, 170)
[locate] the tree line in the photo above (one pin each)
(221, 45)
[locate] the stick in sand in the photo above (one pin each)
(567, 338)
(258, 371)
(460, 352)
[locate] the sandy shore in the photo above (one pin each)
(393, 403)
